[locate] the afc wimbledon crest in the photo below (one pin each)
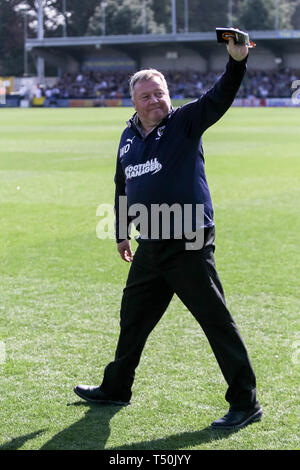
(160, 132)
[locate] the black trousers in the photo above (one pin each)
(160, 269)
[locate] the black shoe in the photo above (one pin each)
(95, 395)
(237, 419)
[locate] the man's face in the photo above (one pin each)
(151, 101)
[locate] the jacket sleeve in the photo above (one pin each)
(122, 220)
(200, 114)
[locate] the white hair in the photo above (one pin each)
(145, 74)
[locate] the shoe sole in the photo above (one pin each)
(102, 402)
(252, 419)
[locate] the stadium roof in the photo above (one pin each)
(267, 37)
(60, 51)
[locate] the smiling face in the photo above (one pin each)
(151, 101)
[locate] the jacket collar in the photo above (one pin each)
(135, 123)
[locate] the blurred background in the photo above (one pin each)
(72, 53)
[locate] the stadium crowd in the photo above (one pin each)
(187, 84)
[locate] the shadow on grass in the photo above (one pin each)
(16, 443)
(178, 441)
(89, 433)
(93, 431)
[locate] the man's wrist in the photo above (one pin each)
(242, 62)
(120, 240)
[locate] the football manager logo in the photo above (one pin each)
(151, 166)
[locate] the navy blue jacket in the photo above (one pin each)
(167, 166)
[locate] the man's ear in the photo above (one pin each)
(133, 103)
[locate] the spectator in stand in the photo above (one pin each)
(187, 84)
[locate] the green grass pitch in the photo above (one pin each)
(60, 287)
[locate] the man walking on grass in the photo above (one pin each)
(160, 162)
